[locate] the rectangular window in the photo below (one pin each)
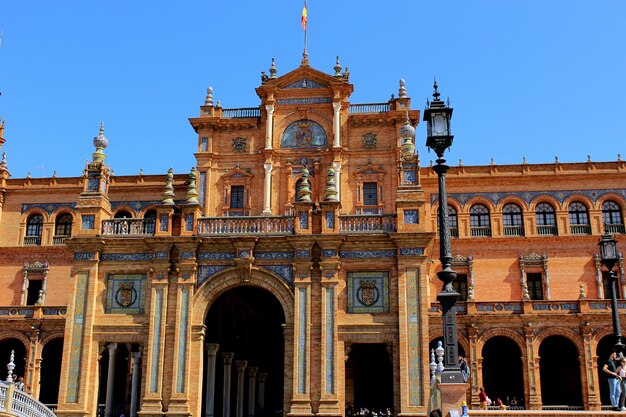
(236, 196)
(535, 285)
(204, 146)
(370, 195)
(606, 284)
(460, 285)
(34, 286)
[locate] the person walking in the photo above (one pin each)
(483, 399)
(614, 379)
(621, 371)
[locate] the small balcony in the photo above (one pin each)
(59, 239)
(32, 240)
(513, 230)
(615, 228)
(367, 223)
(246, 225)
(128, 227)
(480, 231)
(547, 230)
(580, 229)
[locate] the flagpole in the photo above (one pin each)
(305, 56)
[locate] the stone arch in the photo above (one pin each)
(545, 198)
(12, 334)
(578, 197)
(35, 210)
(569, 334)
(461, 338)
(225, 280)
(508, 199)
(62, 210)
(610, 195)
(516, 337)
(479, 200)
(124, 207)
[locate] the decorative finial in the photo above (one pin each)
(525, 292)
(330, 194)
(140, 172)
(460, 162)
(556, 159)
(523, 159)
(264, 77)
(54, 173)
(304, 192)
(346, 74)
(208, 101)
(273, 69)
(10, 368)
(3, 164)
(219, 104)
(436, 92)
(588, 158)
(402, 89)
(305, 58)
(407, 132)
(28, 174)
(192, 192)
(168, 194)
(439, 352)
(100, 142)
(337, 68)
(581, 292)
(493, 162)
(619, 156)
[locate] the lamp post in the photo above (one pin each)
(609, 256)
(437, 115)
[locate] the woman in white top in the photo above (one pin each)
(621, 371)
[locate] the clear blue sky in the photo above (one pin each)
(532, 78)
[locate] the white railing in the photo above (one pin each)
(480, 231)
(368, 108)
(367, 223)
(580, 229)
(241, 113)
(128, 227)
(32, 240)
(547, 230)
(19, 403)
(246, 225)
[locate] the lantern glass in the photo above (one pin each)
(608, 247)
(440, 125)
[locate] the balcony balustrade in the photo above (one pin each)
(32, 240)
(547, 230)
(247, 225)
(18, 403)
(59, 239)
(580, 229)
(480, 231)
(513, 230)
(128, 227)
(368, 108)
(241, 113)
(367, 223)
(615, 228)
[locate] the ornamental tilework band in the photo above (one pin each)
(414, 339)
(80, 306)
(161, 255)
(182, 347)
(274, 255)
(84, 256)
(88, 222)
(47, 207)
(302, 326)
(215, 256)
(156, 340)
(304, 253)
(243, 254)
(330, 340)
(411, 251)
(328, 253)
(121, 257)
(368, 292)
(187, 255)
(312, 100)
(529, 196)
(206, 271)
(136, 205)
(284, 271)
(357, 254)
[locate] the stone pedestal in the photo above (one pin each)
(452, 395)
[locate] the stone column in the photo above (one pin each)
(241, 372)
(532, 378)
(252, 390)
(134, 390)
(267, 191)
(337, 124)
(228, 362)
(337, 166)
(108, 405)
(270, 126)
(209, 392)
(262, 377)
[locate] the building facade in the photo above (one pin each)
(293, 270)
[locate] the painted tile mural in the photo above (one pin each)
(125, 293)
(368, 292)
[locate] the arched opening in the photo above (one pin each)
(50, 374)
(369, 377)
(559, 370)
(120, 398)
(605, 346)
(502, 370)
(247, 321)
(19, 358)
(123, 214)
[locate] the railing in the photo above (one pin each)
(615, 228)
(547, 230)
(32, 240)
(580, 229)
(480, 231)
(365, 223)
(368, 108)
(128, 227)
(247, 225)
(18, 403)
(454, 232)
(59, 240)
(513, 230)
(241, 113)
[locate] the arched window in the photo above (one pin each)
(480, 224)
(612, 217)
(123, 214)
(453, 221)
(546, 219)
(62, 228)
(34, 227)
(512, 219)
(579, 219)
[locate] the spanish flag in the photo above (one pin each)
(304, 16)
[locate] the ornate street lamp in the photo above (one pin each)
(439, 138)
(609, 256)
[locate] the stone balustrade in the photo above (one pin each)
(367, 223)
(128, 227)
(246, 225)
(18, 403)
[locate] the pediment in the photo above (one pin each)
(305, 78)
(237, 173)
(369, 169)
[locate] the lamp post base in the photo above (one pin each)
(452, 397)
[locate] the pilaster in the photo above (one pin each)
(532, 380)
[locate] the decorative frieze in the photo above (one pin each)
(123, 257)
(359, 254)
